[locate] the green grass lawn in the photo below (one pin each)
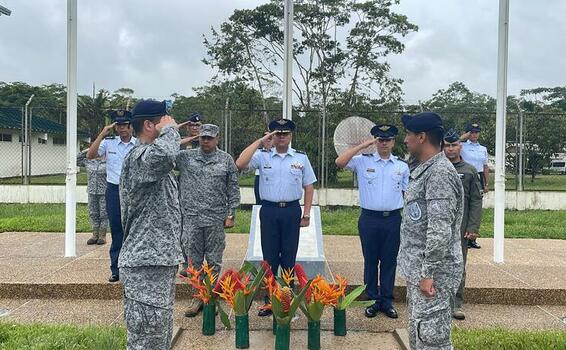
(345, 179)
(501, 339)
(336, 221)
(49, 337)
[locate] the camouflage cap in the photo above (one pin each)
(209, 130)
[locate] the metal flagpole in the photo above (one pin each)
(288, 64)
(502, 59)
(71, 179)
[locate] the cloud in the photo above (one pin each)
(155, 47)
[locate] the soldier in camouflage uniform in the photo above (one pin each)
(430, 256)
(96, 188)
(210, 194)
(472, 208)
(151, 218)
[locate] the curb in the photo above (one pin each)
(402, 337)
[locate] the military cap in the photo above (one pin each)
(151, 109)
(209, 130)
(451, 136)
(282, 126)
(195, 118)
(121, 116)
(384, 131)
(473, 127)
(422, 122)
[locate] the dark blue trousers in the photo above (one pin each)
(380, 237)
(280, 234)
(256, 190)
(115, 219)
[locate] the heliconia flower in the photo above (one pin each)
(218, 286)
(286, 298)
(288, 276)
(265, 266)
(301, 275)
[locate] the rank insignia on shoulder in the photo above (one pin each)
(367, 154)
(300, 152)
(370, 170)
(110, 137)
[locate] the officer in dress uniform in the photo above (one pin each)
(472, 208)
(114, 149)
(284, 174)
(152, 228)
(475, 154)
(430, 254)
(382, 179)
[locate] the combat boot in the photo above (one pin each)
(458, 314)
(92, 240)
(101, 237)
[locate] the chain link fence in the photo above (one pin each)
(33, 141)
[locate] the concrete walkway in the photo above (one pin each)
(32, 266)
(38, 284)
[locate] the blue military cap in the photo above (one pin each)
(282, 126)
(121, 116)
(195, 118)
(451, 136)
(151, 109)
(384, 131)
(473, 127)
(422, 122)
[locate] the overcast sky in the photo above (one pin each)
(155, 47)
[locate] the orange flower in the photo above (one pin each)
(286, 297)
(288, 276)
(325, 293)
(228, 289)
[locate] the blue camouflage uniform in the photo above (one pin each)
(281, 181)
(381, 185)
(114, 150)
(151, 217)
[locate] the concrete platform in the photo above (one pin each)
(32, 266)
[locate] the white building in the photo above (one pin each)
(47, 145)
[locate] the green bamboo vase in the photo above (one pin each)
(282, 337)
(242, 332)
(209, 319)
(340, 322)
(314, 335)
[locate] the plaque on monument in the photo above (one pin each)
(311, 249)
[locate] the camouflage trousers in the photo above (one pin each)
(97, 212)
(200, 243)
(430, 319)
(149, 294)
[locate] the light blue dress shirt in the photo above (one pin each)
(474, 154)
(115, 151)
(381, 182)
(282, 176)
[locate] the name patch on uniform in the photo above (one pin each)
(370, 170)
(414, 211)
(297, 166)
(111, 152)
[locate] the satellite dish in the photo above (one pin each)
(351, 132)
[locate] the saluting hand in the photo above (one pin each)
(267, 137)
(165, 120)
(179, 126)
(106, 130)
(427, 287)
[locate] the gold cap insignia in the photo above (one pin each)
(384, 128)
(281, 122)
(475, 125)
(120, 113)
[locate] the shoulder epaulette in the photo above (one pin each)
(265, 150)
(300, 152)
(110, 137)
(367, 154)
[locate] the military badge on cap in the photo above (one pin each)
(473, 127)
(384, 131)
(121, 117)
(282, 126)
(451, 136)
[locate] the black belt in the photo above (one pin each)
(381, 214)
(280, 204)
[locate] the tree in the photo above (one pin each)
(249, 46)
(92, 112)
(49, 100)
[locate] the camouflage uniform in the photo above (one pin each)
(96, 188)
(209, 192)
(148, 261)
(431, 248)
(472, 215)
